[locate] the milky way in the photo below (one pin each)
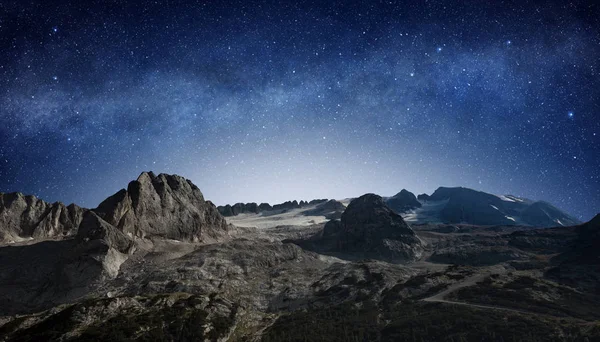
(278, 101)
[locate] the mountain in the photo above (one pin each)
(92, 245)
(164, 206)
(369, 229)
(27, 217)
(156, 261)
(463, 205)
(403, 201)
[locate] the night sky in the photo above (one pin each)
(275, 101)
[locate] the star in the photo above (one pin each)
(55, 29)
(570, 114)
(439, 49)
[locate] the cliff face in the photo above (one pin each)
(25, 217)
(164, 206)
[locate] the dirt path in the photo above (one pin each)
(439, 297)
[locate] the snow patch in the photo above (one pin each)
(511, 218)
(493, 206)
(558, 221)
(504, 198)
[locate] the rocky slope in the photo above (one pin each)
(27, 217)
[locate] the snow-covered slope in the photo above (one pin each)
(462, 205)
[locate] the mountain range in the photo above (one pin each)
(157, 261)
(445, 205)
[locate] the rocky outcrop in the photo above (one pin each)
(163, 206)
(27, 217)
(94, 228)
(288, 205)
(264, 207)
(368, 229)
(225, 210)
(403, 201)
(238, 208)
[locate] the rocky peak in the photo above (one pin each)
(368, 217)
(26, 217)
(166, 206)
(403, 201)
(369, 228)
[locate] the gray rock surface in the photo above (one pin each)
(163, 206)
(28, 217)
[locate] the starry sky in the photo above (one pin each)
(279, 100)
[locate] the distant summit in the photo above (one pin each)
(403, 201)
(463, 205)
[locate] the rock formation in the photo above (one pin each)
(368, 229)
(27, 217)
(163, 206)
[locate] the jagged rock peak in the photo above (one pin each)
(28, 217)
(165, 206)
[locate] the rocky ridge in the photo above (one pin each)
(163, 206)
(27, 217)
